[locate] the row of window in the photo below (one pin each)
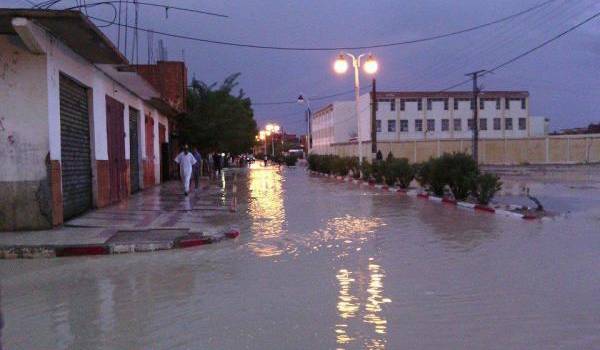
(497, 122)
(430, 101)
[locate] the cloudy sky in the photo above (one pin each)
(563, 77)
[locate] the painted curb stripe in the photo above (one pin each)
(82, 250)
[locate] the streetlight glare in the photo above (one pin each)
(276, 128)
(341, 65)
(269, 127)
(371, 65)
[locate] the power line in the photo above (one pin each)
(518, 57)
(317, 98)
(292, 48)
(165, 7)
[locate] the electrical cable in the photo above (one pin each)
(166, 7)
(291, 48)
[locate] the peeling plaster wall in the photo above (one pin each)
(30, 125)
(24, 144)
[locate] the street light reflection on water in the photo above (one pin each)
(266, 210)
(349, 306)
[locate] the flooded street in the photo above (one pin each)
(321, 264)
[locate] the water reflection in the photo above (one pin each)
(349, 305)
(266, 210)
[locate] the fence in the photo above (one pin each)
(558, 149)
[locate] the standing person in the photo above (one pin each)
(217, 161)
(211, 165)
(186, 161)
(197, 167)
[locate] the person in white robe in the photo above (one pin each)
(186, 162)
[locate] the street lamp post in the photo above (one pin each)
(272, 129)
(370, 66)
(302, 99)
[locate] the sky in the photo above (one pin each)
(563, 78)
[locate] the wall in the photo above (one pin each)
(563, 149)
(24, 146)
(30, 146)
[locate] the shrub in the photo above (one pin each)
(486, 186)
(290, 160)
(462, 173)
(354, 167)
(340, 166)
(400, 172)
(367, 170)
(378, 171)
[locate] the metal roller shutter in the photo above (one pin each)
(75, 148)
(134, 165)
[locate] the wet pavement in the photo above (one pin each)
(322, 264)
(152, 215)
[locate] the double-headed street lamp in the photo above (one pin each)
(370, 66)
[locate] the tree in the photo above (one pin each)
(218, 120)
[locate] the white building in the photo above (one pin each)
(79, 127)
(423, 115)
(333, 123)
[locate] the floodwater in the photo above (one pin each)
(325, 265)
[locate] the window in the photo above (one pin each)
(392, 105)
(430, 124)
(522, 123)
(404, 100)
(497, 124)
(403, 125)
(482, 124)
(481, 103)
(523, 105)
(418, 125)
(378, 125)
(457, 125)
(470, 123)
(431, 100)
(457, 100)
(498, 103)
(445, 124)
(508, 124)
(506, 103)
(391, 126)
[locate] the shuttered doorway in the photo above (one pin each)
(134, 165)
(76, 169)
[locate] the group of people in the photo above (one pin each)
(190, 165)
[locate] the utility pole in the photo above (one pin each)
(475, 104)
(373, 119)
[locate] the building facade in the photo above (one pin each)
(333, 123)
(427, 115)
(423, 115)
(80, 127)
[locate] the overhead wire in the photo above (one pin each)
(340, 48)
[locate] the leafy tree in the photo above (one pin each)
(217, 119)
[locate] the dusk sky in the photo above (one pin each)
(563, 77)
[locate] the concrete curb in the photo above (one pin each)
(70, 250)
(444, 200)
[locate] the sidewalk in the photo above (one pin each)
(155, 219)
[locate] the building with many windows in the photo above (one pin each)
(333, 123)
(428, 115)
(449, 115)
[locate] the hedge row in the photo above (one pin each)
(456, 174)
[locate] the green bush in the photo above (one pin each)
(486, 186)
(367, 170)
(340, 166)
(354, 167)
(290, 160)
(378, 171)
(400, 172)
(462, 172)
